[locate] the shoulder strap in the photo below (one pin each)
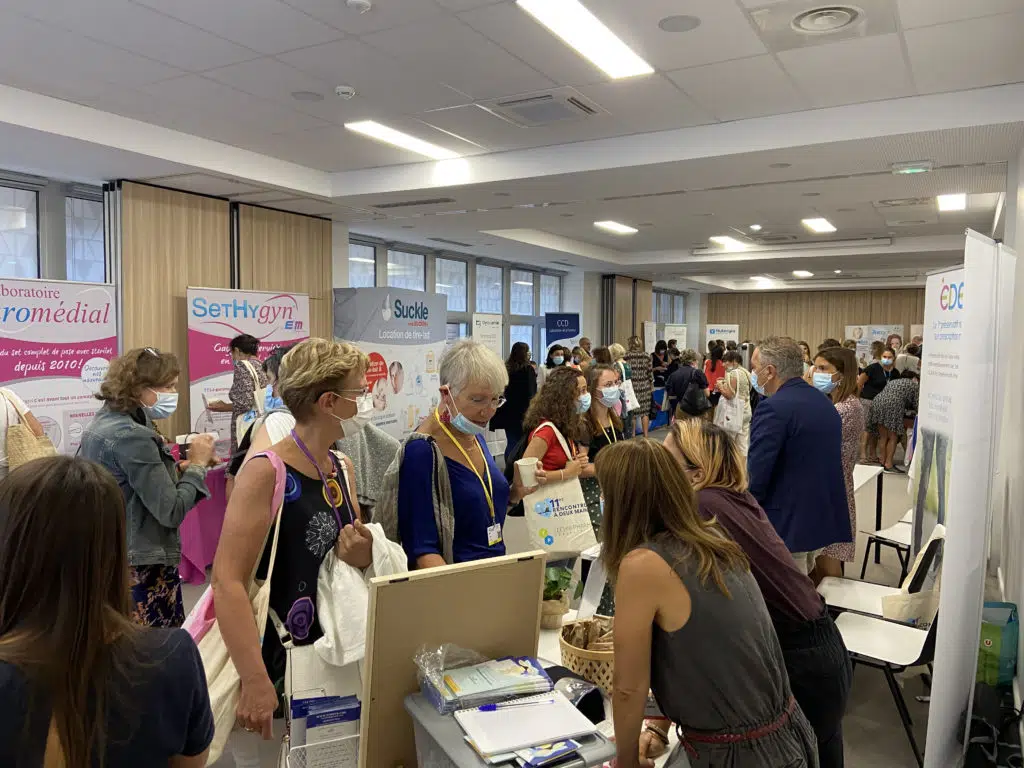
(9, 401)
(569, 454)
(276, 504)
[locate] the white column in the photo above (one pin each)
(339, 255)
(696, 320)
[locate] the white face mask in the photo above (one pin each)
(364, 413)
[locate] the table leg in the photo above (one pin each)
(878, 515)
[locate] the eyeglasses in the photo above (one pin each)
(149, 351)
(483, 402)
(362, 392)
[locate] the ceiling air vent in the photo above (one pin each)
(774, 239)
(413, 203)
(450, 242)
(669, 193)
(544, 108)
(904, 202)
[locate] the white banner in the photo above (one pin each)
(866, 335)
(724, 332)
(488, 330)
(650, 336)
(677, 332)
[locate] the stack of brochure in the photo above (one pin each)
(494, 681)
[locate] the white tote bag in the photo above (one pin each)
(631, 403)
(729, 413)
(556, 514)
(259, 397)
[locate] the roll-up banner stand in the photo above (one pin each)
(677, 332)
(725, 333)
(964, 310)
(57, 342)
(489, 331)
(560, 327)
(866, 335)
(650, 336)
(215, 317)
(404, 334)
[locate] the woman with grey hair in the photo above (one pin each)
(618, 352)
(444, 497)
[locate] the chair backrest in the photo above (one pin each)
(932, 557)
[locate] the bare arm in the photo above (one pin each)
(429, 561)
(862, 379)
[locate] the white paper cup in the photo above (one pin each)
(528, 471)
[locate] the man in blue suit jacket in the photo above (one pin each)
(795, 459)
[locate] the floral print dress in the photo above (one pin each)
(852, 414)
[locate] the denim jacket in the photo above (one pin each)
(156, 499)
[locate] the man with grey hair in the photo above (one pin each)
(795, 459)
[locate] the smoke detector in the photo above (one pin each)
(362, 6)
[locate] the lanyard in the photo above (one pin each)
(333, 492)
(612, 438)
(489, 485)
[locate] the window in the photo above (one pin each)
(406, 270)
(19, 233)
(679, 311)
(523, 333)
(83, 221)
(664, 308)
(521, 294)
(488, 289)
(362, 266)
(550, 294)
(451, 281)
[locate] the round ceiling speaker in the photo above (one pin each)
(826, 19)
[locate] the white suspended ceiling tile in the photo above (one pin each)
(205, 184)
(647, 104)
(453, 53)
(466, 5)
(923, 13)
(734, 90)
(384, 14)
(851, 71)
(136, 28)
(377, 77)
(266, 26)
(724, 33)
(967, 54)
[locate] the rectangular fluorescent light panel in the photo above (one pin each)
(615, 228)
(582, 30)
(952, 202)
(729, 243)
(819, 226)
(802, 273)
(382, 133)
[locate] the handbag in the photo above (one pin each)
(630, 402)
(556, 514)
(997, 649)
(729, 415)
(694, 402)
(23, 445)
(222, 677)
(259, 394)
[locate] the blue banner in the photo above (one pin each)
(561, 326)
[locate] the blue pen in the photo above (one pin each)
(510, 704)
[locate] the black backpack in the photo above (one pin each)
(238, 457)
(694, 402)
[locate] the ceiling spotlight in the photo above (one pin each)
(387, 135)
(819, 226)
(729, 243)
(763, 282)
(756, 227)
(952, 202)
(362, 6)
(678, 23)
(307, 96)
(802, 273)
(839, 271)
(615, 228)
(906, 169)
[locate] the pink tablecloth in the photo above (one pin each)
(200, 530)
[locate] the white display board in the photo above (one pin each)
(723, 332)
(488, 330)
(650, 336)
(866, 335)
(677, 332)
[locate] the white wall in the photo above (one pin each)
(581, 292)
(696, 320)
(339, 254)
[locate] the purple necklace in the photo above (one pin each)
(334, 494)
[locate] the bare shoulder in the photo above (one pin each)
(644, 567)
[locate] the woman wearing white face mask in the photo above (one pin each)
(444, 495)
(141, 386)
(323, 384)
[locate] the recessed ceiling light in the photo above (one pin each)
(763, 282)
(819, 226)
(678, 23)
(839, 271)
(729, 243)
(383, 133)
(756, 227)
(582, 30)
(906, 169)
(952, 202)
(307, 96)
(802, 273)
(781, 165)
(615, 227)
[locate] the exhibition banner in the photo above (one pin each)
(915, 331)
(215, 316)
(677, 332)
(488, 330)
(866, 335)
(404, 334)
(650, 336)
(57, 342)
(724, 332)
(561, 327)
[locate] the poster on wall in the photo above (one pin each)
(650, 336)
(725, 333)
(487, 329)
(677, 332)
(561, 327)
(57, 342)
(866, 335)
(404, 334)
(215, 316)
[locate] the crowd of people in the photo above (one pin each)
(722, 529)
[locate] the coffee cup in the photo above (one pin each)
(528, 471)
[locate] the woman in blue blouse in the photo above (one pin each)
(452, 497)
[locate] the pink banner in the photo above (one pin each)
(42, 360)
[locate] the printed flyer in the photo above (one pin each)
(58, 339)
(215, 316)
(404, 334)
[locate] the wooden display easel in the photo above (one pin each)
(489, 606)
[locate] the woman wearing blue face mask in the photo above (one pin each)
(835, 375)
(558, 356)
(555, 424)
(139, 387)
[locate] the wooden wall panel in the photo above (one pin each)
(281, 251)
(642, 306)
(623, 318)
(812, 316)
(170, 240)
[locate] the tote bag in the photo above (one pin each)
(259, 397)
(729, 415)
(222, 678)
(629, 398)
(22, 443)
(556, 514)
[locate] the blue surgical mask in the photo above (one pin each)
(886, 361)
(610, 396)
(823, 382)
(464, 425)
(583, 403)
(166, 404)
(271, 402)
(558, 359)
(757, 385)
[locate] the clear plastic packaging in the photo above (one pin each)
(432, 662)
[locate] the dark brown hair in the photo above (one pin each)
(602, 356)
(134, 371)
(828, 343)
(593, 376)
(518, 357)
(845, 361)
(64, 604)
(556, 402)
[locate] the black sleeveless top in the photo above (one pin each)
(309, 529)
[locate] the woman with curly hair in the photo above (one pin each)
(554, 422)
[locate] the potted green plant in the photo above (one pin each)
(556, 597)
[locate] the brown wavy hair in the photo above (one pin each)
(556, 402)
(845, 361)
(593, 376)
(133, 372)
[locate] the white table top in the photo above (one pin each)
(863, 474)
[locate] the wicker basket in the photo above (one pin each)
(552, 611)
(597, 667)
